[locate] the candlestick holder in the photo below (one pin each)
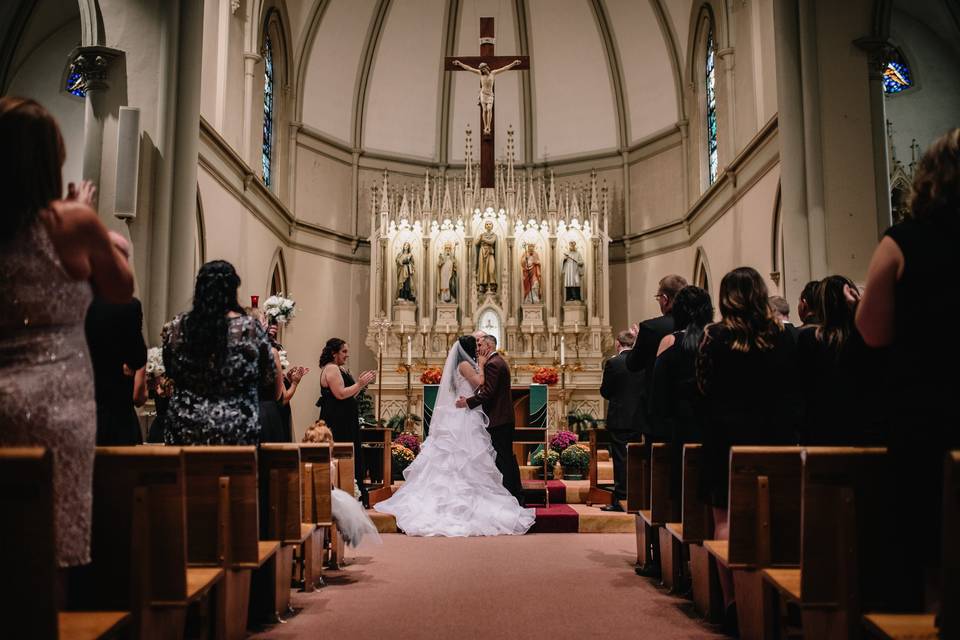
(408, 420)
(381, 325)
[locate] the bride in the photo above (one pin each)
(453, 488)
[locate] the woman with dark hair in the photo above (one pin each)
(675, 398)
(217, 358)
(746, 371)
(338, 399)
(271, 412)
(838, 373)
(910, 289)
(54, 255)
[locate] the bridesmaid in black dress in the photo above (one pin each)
(338, 399)
(270, 392)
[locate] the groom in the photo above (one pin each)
(494, 395)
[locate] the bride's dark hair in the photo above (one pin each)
(469, 345)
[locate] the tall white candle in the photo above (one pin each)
(409, 350)
(563, 350)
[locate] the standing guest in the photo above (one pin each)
(675, 401)
(741, 367)
(53, 252)
(781, 311)
(217, 358)
(906, 293)
(643, 355)
(838, 373)
(270, 417)
(117, 351)
(338, 400)
(291, 382)
(809, 306)
(619, 386)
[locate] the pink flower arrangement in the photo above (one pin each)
(409, 440)
(563, 439)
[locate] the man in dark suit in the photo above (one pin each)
(643, 355)
(619, 387)
(495, 397)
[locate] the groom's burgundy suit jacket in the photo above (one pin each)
(494, 394)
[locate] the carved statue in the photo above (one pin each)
(447, 282)
(485, 99)
(572, 268)
(487, 260)
(405, 272)
(532, 283)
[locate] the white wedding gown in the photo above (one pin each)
(453, 488)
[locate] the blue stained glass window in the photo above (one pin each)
(267, 150)
(713, 159)
(896, 77)
(75, 85)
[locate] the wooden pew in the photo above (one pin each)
(638, 495)
(846, 541)
(764, 521)
(661, 507)
(28, 589)
(222, 522)
(343, 460)
(280, 512)
(139, 550)
(378, 440)
(599, 494)
(315, 465)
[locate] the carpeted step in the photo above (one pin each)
(558, 518)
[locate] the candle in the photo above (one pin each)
(409, 350)
(563, 350)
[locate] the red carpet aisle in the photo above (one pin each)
(529, 587)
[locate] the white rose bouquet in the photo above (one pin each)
(280, 309)
(154, 367)
(284, 363)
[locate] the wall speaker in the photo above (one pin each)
(128, 163)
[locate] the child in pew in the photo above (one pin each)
(352, 520)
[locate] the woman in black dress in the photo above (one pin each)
(746, 371)
(270, 393)
(675, 399)
(910, 303)
(838, 373)
(217, 358)
(338, 399)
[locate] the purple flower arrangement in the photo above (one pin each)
(410, 441)
(562, 439)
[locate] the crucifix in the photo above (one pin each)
(487, 66)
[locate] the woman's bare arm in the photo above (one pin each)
(278, 376)
(335, 382)
(140, 387)
(665, 344)
(473, 377)
(875, 312)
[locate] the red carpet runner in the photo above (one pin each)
(559, 517)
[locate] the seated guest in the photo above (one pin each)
(217, 358)
(117, 351)
(745, 371)
(675, 399)
(619, 387)
(809, 307)
(909, 291)
(55, 254)
(838, 373)
(781, 311)
(642, 356)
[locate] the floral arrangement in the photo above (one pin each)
(552, 458)
(409, 440)
(155, 367)
(280, 309)
(284, 363)
(561, 440)
(402, 457)
(431, 375)
(581, 421)
(158, 384)
(575, 458)
(546, 375)
(398, 422)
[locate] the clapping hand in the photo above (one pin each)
(635, 329)
(297, 374)
(367, 377)
(84, 194)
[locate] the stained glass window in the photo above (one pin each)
(711, 95)
(267, 150)
(896, 77)
(75, 84)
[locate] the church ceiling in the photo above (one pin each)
(603, 74)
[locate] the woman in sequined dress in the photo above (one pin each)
(53, 254)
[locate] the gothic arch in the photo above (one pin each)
(702, 276)
(776, 243)
(200, 251)
(277, 282)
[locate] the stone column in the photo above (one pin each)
(879, 52)
(250, 61)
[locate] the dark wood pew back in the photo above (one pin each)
(661, 504)
(280, 485)
(315, 477)
(638, 477)
(377, 456)
(696, 513)
(950, 607)
(764, 506)
(222, 478)
(343, 453)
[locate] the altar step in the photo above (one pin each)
(559, 518)
(604, 472)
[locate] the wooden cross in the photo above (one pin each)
(493, 64)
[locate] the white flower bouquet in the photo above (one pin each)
(280, 309)
(284, 363)
(154, 367)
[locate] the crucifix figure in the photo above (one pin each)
(487, 65)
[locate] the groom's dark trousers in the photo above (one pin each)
(495, 397)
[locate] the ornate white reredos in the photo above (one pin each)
(528, 260)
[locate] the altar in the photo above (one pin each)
(526, 261)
